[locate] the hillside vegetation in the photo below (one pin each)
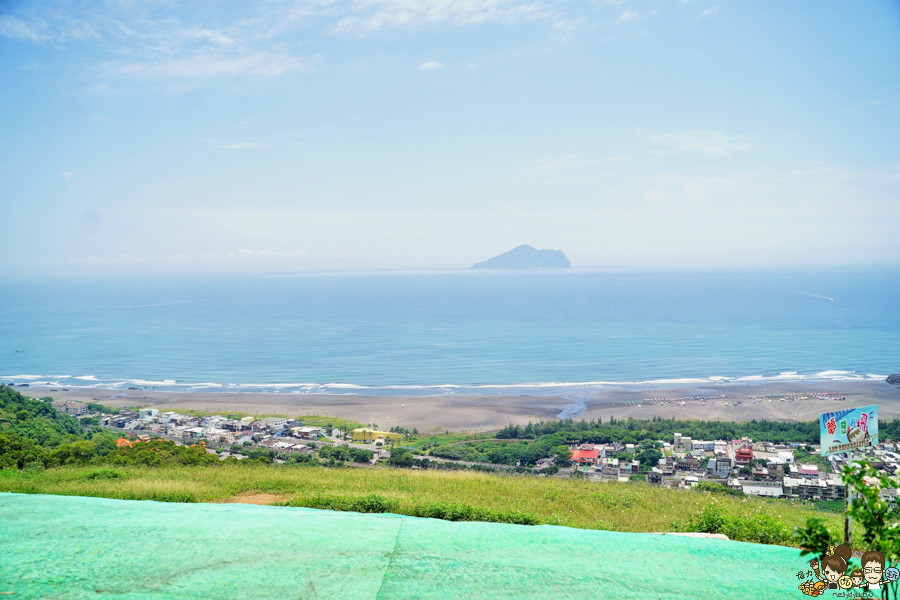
(633, 507)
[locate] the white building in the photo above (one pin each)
(772, 491)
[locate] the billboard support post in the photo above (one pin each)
(848, 524)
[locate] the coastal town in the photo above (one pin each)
(748, 466)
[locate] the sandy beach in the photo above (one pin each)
(484, 413)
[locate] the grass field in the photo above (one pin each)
(633, 507)
(326, 421)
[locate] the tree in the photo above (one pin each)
(648, 453)
(401, 457)
(879, 518)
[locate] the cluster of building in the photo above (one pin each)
(76, 409)
(276, 432)
(687, 462)
(282, 435)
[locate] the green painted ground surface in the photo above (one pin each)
(67, 547)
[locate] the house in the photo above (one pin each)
(59, 405)
(764, 474)
(813, 489)
(687, 464)
(782, 457)
(585, 455)
(719, 467)
(364, 434)
(655, 476)
(706, 446)
(308, 433)
(611, 469)
(761, 489)
(629, 448)
(76, 409)
(682, 443)
(805, 471)
(274, 423)
(146, 414)
(667, 466)
(189, 422)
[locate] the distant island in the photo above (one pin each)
(526, 257)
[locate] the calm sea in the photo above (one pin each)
(424, 333)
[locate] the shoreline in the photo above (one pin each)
(473, 413)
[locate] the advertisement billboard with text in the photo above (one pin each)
(845, 430)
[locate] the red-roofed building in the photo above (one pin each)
(586, 455)
(743, 455)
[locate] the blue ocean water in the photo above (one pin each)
(461, 331)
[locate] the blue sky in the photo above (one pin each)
(163, 136)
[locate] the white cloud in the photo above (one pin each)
(716, 143)
(16, 29)
(881, 101)
(426, 66)
(67, 174)
(247, 253)
(373, 15)
(177, 257)
(40, 31)
(244, 146)
(204, 65)
(628, 15)
(566, 169)
(708, 12)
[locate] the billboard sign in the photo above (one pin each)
(845, 430)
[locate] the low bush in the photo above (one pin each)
(716, 488)
(103, 474)
(761, 528)
(372, 503)
(463, 512)
(172, 497)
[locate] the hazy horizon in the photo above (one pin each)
(353, 135)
